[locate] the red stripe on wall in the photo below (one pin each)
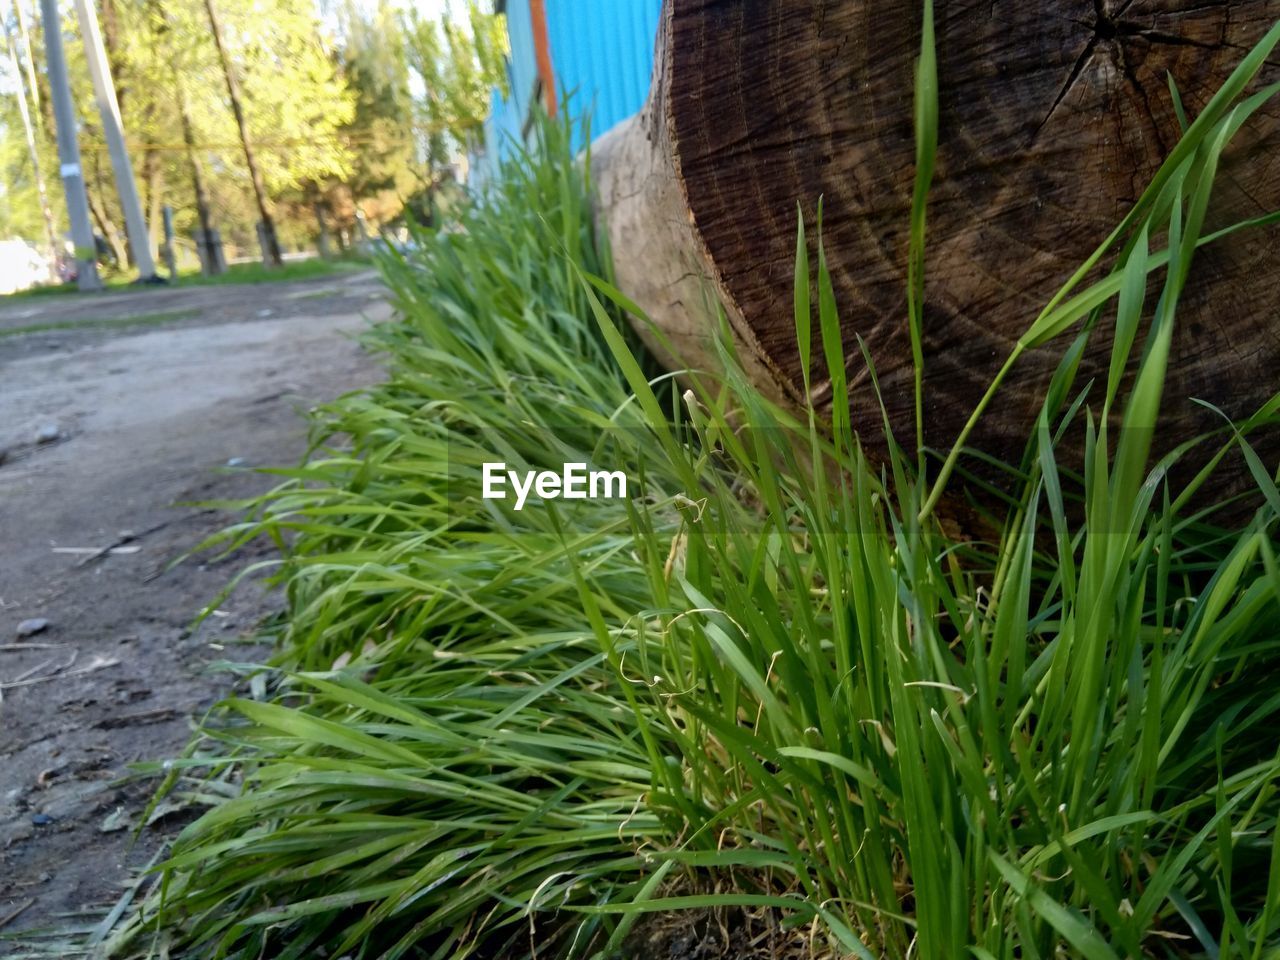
(542, 54)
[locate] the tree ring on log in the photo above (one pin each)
(1052, 119)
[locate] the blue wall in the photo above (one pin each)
(601, 52)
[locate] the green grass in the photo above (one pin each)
(254, 272)
(258, 273)
(126, 322)
(50, 290)
(771, 678)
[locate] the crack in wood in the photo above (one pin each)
(1126, 68)
(1116, 31)
(1167, 39)
(1076, 69)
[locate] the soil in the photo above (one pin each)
(722, 934)
(107, 430)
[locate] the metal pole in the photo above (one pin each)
(135, 222)
(64, 115)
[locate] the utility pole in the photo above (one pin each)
(109, 109)
(271, 246)
(64, 115)
(51, 233)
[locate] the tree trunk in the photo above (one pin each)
(198, 188)
(33, 155)
(153, 179)
(1053, 117)
(106, 226)
(29, 53)
(272, 245)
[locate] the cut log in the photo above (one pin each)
(1053, 118)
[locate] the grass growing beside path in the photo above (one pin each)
(501, 734)
(254, 272)
(158, 319)
(291, 270)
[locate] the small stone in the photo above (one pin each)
(41, 819)
(29, 628)
(114, 822)
(236, 462)
(265, 312)
(48, 433)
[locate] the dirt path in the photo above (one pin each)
(134, 419)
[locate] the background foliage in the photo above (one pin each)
(363, 106)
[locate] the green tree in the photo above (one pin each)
(21, 213)
(456, 64)
(385, 166)
(296, 99)
(375, 113)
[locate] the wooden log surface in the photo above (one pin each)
(1053, 117)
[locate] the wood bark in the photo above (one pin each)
(271, 251)
(106, 226)
(33, 156)
(1053, 117)
(153, 178)
(198, 188)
